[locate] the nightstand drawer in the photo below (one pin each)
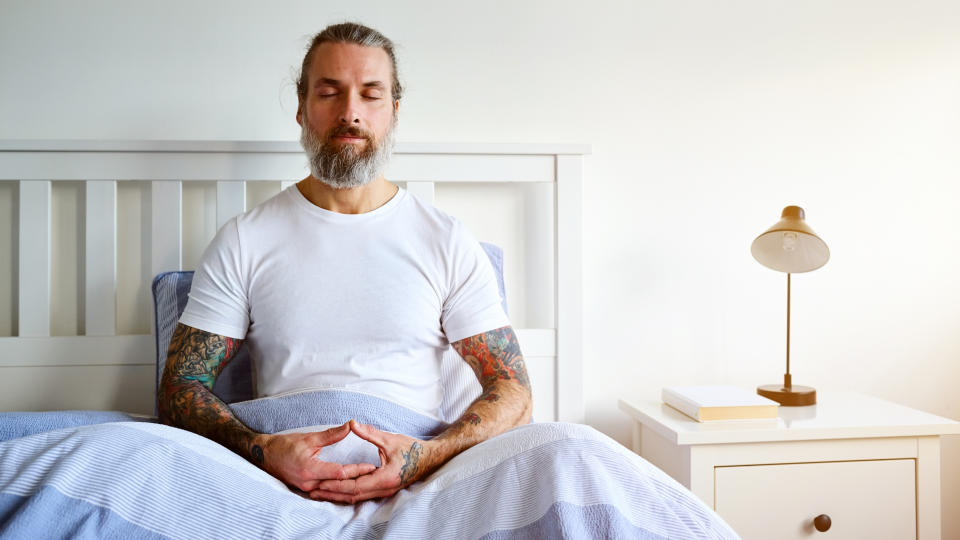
(864, 499)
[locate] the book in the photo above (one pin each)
(705, 403)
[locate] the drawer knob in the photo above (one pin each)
(822, 522)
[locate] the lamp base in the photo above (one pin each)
(794, 396)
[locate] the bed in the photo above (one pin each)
(114, 473)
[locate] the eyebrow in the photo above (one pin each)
(335, 82)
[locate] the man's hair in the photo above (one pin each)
(356, 34)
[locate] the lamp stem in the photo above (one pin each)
(787, 383)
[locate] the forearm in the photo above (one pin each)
(504, 405)
(190, 405)
(186, 399)
(506, 399)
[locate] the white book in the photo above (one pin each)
(704, 403)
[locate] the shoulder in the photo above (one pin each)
(428, 214)
(279, 205)
(442, 227)
(272, 212)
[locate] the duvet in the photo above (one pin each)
(122, 478)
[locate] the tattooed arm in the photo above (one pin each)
(186, 400)
(506, 400)
(505, 403)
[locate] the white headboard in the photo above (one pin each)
(98, 368)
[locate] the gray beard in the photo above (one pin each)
(342, 168)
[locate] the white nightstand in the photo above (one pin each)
(872, 466)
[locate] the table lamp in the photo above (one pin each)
(790, 246)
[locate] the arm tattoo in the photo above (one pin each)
(411, 463)
(186, 400)
(494, 356)
(199, 356)
(489, 395)
(506, 401)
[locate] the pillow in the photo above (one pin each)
(235, 382)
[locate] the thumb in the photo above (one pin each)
(368, 433)
(330, 436)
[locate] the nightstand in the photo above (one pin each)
(871, 466)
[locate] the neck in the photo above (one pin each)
(359, 200)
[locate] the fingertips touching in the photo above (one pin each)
(370, 434)
(341, 429)
(332, 435)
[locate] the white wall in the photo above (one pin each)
(706, 118)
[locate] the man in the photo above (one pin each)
(345, 281)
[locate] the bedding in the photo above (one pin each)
(146, 480)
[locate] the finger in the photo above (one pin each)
(309, 479)
(376, 481)
(354, 470)
(324, 470)
(330, 436)
(369, 433)
(344, 487)
(346, 472)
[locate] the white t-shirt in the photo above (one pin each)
(367, 302)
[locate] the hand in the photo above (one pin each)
(294, 458)
(403, 461)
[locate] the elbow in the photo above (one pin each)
(171, 391)
(164, 401)
(526, 415)
(163, 409)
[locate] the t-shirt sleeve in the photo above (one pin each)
(473, 305)
(218, 298)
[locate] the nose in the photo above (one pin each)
(349, 114)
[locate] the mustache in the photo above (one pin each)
(349, 131)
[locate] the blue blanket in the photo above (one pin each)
(146, 480)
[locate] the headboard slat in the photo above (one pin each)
(34, 271)
(166, 209)
(231, 200)
(100, 258)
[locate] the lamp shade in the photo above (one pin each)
(790, 245)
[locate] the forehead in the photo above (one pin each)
(348, 62)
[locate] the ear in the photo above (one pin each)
(396, 106)
(300, 112)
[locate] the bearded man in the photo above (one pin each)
(345, 281)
